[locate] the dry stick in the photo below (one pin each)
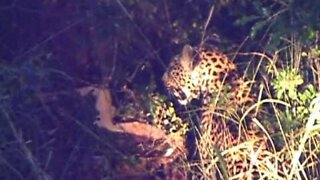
(207, 24)
(114, 58)
(239, 47)
(124, 9)
(49, 38)
(315, 114)
(10, 166)
(273, 101)
(36, 169)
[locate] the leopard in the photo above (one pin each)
(201, 71)
(207, 74)
(163, 115)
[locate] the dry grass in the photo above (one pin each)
(281, 164)
(298, 156)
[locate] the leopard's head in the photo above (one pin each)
(202, 70)
(179, 77)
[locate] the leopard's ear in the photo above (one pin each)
(186, 57)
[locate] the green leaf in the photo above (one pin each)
(246, 19)
(256, 28)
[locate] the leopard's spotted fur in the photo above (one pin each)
(207, 73)
(202, 71)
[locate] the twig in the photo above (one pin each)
(315, 114)
(207, 24)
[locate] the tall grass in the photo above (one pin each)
(290, 127)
